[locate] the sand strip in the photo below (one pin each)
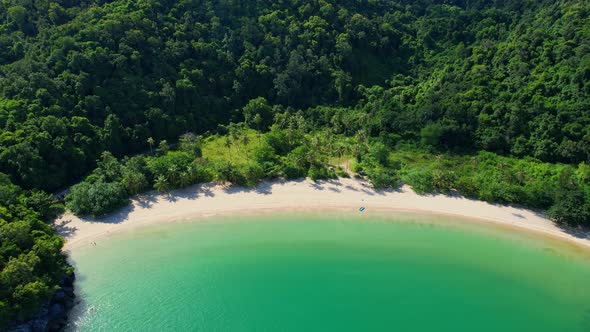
(345, 195)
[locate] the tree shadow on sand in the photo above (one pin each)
(144, 201)
(172, 198)
(351, 188)
(62, 228)
(578, 232)
(337, 186)
(335, 189)
(205, 190)
(192, 192)
(116, 217)
(317, 186)
(368, 192)
(263, 188)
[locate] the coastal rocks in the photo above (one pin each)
(53, 316)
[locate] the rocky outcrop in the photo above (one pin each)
(53, 316)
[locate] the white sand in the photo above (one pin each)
(345, 195)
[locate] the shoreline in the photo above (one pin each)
(342, 195)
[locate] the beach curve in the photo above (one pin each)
(345, 195)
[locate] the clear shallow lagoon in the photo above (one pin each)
(310, 273)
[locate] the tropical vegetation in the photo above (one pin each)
(116, 97)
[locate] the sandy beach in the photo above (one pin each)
(345, 195)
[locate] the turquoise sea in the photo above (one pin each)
(331, 273)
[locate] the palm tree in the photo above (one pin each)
(134, 181)
(184, 179)
(361, 138)
(235, 136)
(199, 140)
(258, 122)
(290, 135)
(521, 176)
(192, 172)
(245, 142)
(315, 143)
(301, 123)
(173, 174)
(161, 183)
(151, 142)
(228, 146)
(311, 157)
(335, 122)
(235, 132)
(363, 121)
(329, 142)
(342, 148)
(299, 160)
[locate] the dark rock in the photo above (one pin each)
(57, 325)
(60, 296)
(24, 328)
(69, 291)
(68, 280)
(53, 316)
(56, 311)
(41, 325)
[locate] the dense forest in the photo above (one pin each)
(490, 98)
(81, 77)
(32, 264)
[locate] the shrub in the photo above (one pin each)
(570, 208)
(254, 173)
(421, 180)
(267, 159)
(224, 172)
(384, 178)
(96, 198)
(379, 152)
(264, 152)
(134, 182)
(191, 144)
(42, 202)
(278, 140)
(443, 181)
(319, 173)
(292, 171)
(340, 172)
(174, 160)
(467, 186)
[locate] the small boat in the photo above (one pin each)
(362, 208)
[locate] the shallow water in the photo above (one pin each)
(329, 273)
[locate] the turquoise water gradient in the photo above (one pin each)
(310, 273)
